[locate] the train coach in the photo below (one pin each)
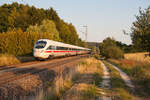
(45, 48)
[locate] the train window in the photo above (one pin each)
(57, 48)
(61, 48)
(40, 44)
(51, 48)
(65, 48)
(69, 49)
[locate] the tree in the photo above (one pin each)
(109, 49)
(45, 23)
(95, 52)
(4, 24)
(140, 34)
(114, 52)
(106, 43)
(47, 26)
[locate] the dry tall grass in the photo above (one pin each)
(119, 89)
(139, 73)
(142, 57)
(77, 75)
(89, 73)
(6, 59)
(88, 66)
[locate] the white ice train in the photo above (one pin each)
(45, 48)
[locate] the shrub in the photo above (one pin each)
(114, 52)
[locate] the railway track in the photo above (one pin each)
(11, 74)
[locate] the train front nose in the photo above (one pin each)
(38, 53)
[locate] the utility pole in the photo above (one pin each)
(86, 32)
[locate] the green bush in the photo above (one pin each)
(114, 52)
(109, 49)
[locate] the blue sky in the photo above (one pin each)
(103, 17)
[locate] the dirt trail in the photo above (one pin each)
(106, 83)
(124, 76)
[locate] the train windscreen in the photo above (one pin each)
(40, 44)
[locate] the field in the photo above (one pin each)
(143, 56)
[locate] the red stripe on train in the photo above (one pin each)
(60, 51)
(48, 51)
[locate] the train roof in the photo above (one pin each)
(62, 44)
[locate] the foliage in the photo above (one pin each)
(17, 42)
(114, 52)
(141, 30)
(126, 48)
(109, 49)
(25, 17)
(95, 52)
(22, 25)
(48, 27)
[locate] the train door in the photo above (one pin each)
(51, 49)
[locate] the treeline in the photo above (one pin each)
(110, 48)
(21, 25)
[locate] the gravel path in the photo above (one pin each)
(124, 76)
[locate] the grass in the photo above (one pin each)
(142, 57)
(90, 92)
(91, 66)
(6, 59)
(80, 82)
(61, 84)
(119, 90)
(139, 73)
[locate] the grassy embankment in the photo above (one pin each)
(6, 59)
(119, 90)
(139, 71)
(80, 82)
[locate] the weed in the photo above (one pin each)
(90, 92)
(6, 59)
